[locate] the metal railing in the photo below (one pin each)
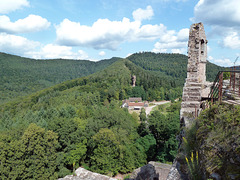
(226, 86)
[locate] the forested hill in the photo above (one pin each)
(113, 82)
(80, 123)
(170, 65)
(22, 76)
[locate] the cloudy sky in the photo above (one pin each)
(101, 29)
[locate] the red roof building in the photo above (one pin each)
(134, 104)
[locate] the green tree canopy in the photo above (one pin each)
(33, 156)
(106, 154)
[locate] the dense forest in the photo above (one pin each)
(79, 122)
(23, 76)
(171, 66)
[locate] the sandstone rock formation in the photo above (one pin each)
(195, 88)
(134, 78)
(196, 78)
(151, 171)
(83, 174)
(175, 173)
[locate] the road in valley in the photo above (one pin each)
(149, 109)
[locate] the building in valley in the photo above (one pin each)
(134, 103)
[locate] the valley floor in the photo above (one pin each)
(150, 108)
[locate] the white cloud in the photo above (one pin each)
(19, 45)
(102, 53)
(103, 34)
(220, 12)
(106, 34)
(223, 17)
(16, 44)
(7, 6)
(82, 55)
(32, 23)
(149, 32)
(142, 14)
(170, 45)
(129, 54)
(183, 34)
(172, 41)
(210, 58)
(232, 40)
(221, 62)
(159, 50)
(51, 51)
(179, 51)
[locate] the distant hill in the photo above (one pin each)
(79, 122)
(171, 66)
(22, 76)
(113, 82)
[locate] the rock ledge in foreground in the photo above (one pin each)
(83, 174)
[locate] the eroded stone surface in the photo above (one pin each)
(83, 174)
(151, 171)
(175, 173)
(196, 78)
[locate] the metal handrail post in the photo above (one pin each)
(220, 87)
(234, 77)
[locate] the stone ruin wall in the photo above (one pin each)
(196, 78)
(195, 88)
(197, 54)
(134, 78)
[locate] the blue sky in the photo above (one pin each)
(101, 29)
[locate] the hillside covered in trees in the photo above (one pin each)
(23, 76)
(171, 66)
(80, 123)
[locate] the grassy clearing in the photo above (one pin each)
(162, 108)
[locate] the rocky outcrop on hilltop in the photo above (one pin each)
(175, 172)
(83, 174)
(151, 171)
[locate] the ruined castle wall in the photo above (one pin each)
(197, 53)
(194, 89)
(196, 74)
